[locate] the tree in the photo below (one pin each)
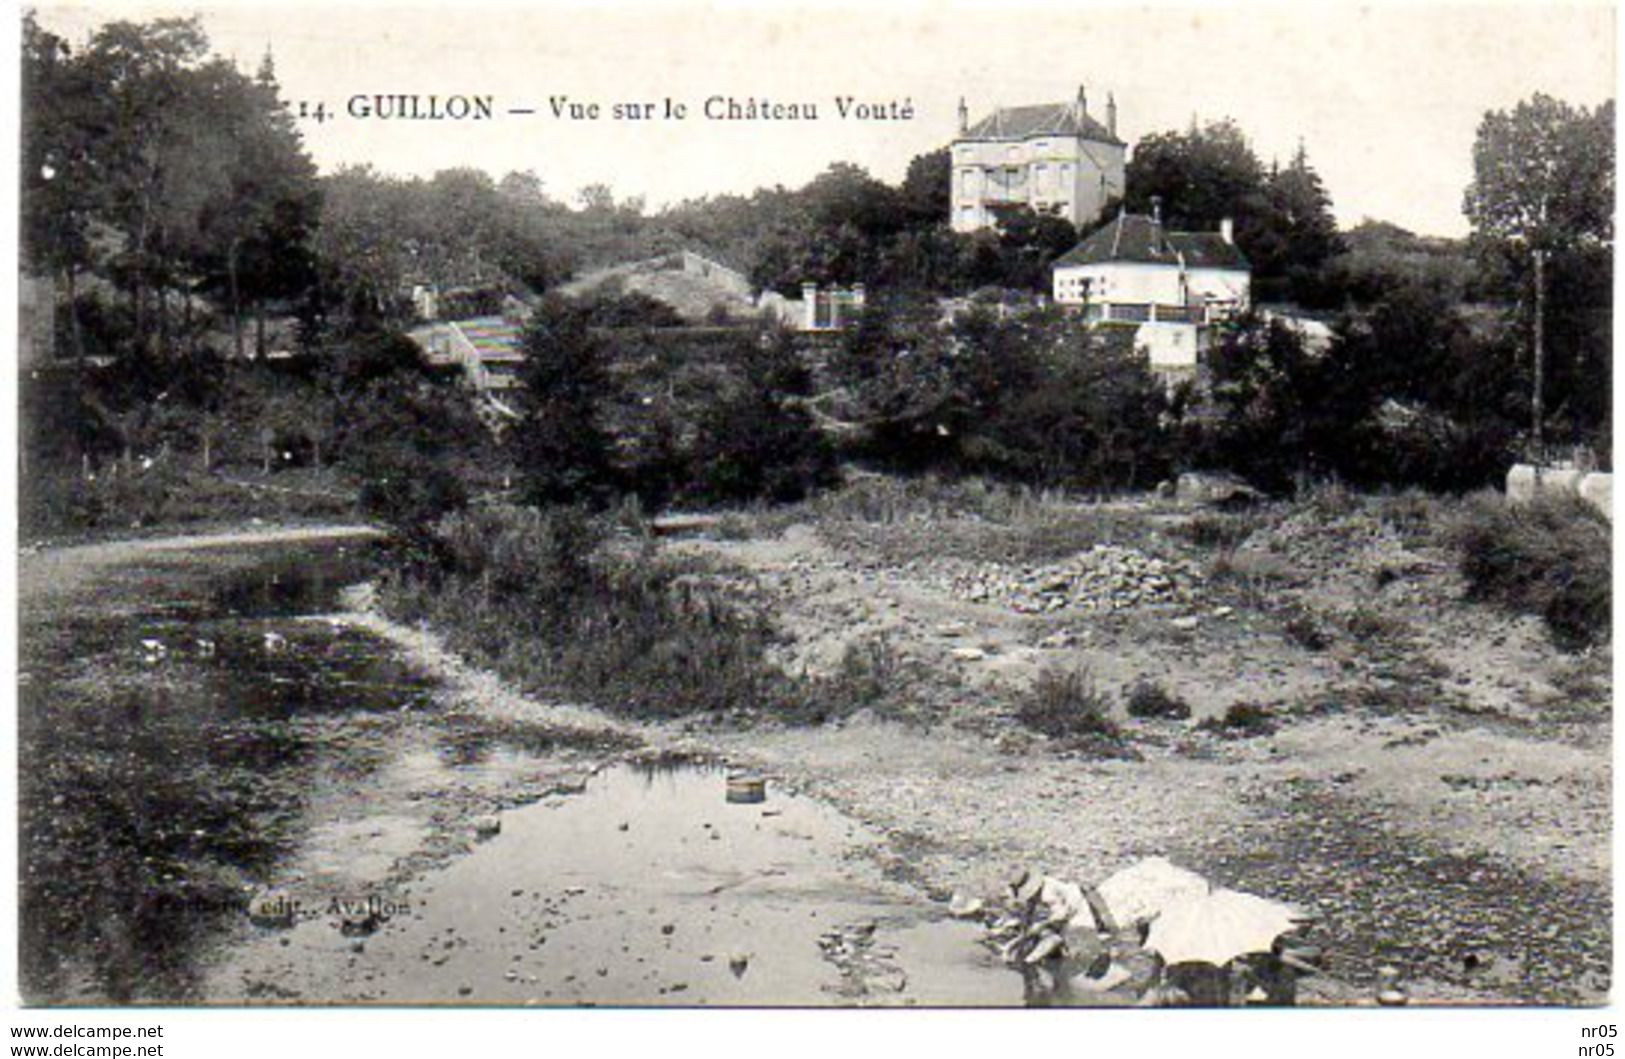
(1203, 176)
(927, 189)
(564, 447)
(1304, 230)
(60, 116)
(1543, 189)
(756, 438)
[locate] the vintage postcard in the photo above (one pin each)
(922, 505)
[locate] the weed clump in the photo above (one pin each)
(1303, 629)
(1066, 704)
(1148, 699)
(1242, 720)
(1549, 557)
(1222, 532)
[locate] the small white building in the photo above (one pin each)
(1172, 286)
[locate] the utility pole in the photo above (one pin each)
(1540, 353)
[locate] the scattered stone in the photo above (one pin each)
(1106, 577)
(969, 654)
(487, 827)
(1187, 623)
(962, 907)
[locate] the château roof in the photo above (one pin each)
(1039, 119)
(1134, 237)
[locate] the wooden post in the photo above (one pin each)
(1540, 356)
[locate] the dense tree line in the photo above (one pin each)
(170, 197)
(165, 172)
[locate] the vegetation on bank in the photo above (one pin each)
(1551, 557)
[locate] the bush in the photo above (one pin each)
(409, 491)
(1241, 720)
(1221, 532)
(1150, 700)
(1303, 629)
(1065, 704)
(1550, 557)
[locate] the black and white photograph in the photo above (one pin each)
(809, 506)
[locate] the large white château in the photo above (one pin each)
(1053, 157)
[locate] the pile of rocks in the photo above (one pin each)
(1106, 577)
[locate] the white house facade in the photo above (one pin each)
(1173, 287)
(1053, 157)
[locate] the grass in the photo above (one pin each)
(552, 601)
(54, 502)
(971, 519)
(567, 605)
(1550, 558)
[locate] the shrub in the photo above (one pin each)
(1221, 532)
(1241, 720)
(1303, 629)
(1065, 704)
(1149, 699)
(409, 491)
(1550, 557)
(1368, 626)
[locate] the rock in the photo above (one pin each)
(1187, 623)
(969, 654)
(1215, 487)
(487, 827)
(961, 906)
(738, 963)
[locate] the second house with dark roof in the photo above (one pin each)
(1172, 287)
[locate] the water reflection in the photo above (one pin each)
(172, 722)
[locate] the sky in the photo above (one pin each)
(1386, 97)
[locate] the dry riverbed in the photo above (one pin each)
(1434, 783)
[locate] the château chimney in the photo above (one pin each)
(964, 117)
(1111, 114)
(1083, 102)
